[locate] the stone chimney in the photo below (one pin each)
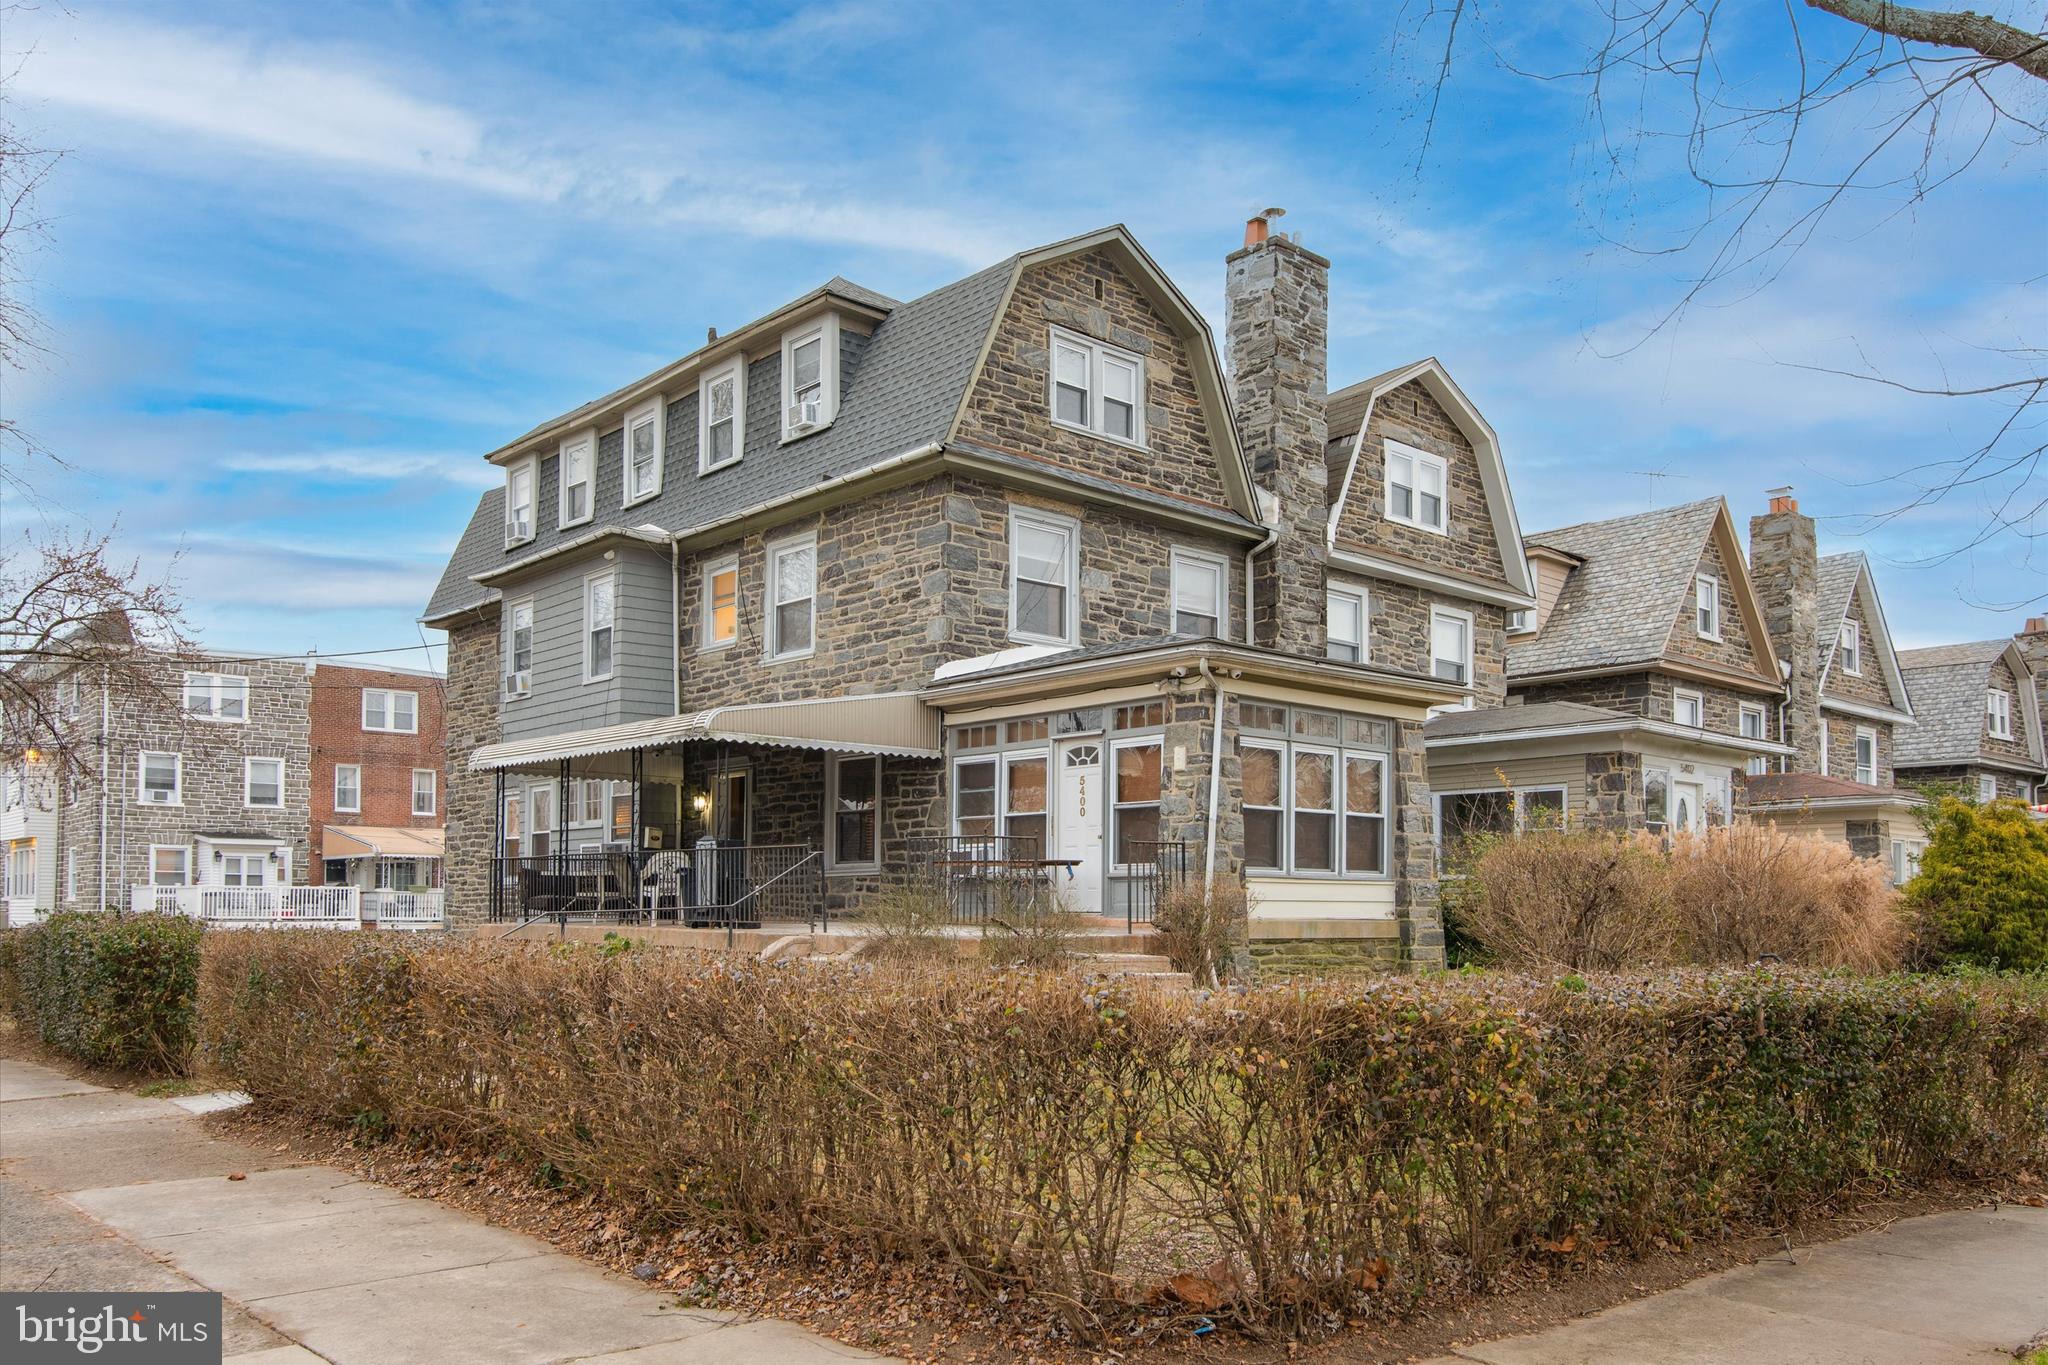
(1276, 334)
(2033, 643)
(1784, 569)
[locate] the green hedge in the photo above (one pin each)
(1982, 889)
(111, 990)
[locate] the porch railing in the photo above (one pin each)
(326, 907)
(404, 909)
(1159, 867)
(725, 886)
(981, 875)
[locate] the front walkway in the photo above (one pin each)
(104, 1190)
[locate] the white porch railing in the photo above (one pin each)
(326, 907)
(404, 909)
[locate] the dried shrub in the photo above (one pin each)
(1578, 899)
(907, 922)
(1029, 924)
(1201, 925)
(110, 990)
(1752, 890)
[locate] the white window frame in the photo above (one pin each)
(184, 852)
(1180, 559)
(1518, 806)
(1850, 643)
(1865, 733)
(1706, 606)
(772, 626)
(1826, 742)
(1906, 856)
(1360, 598)
(1101, 355)
(1112, 835)
(21, 870)
(216, 693)
(355, 806)
(832, 858)
(433, 790)
(1465, 619)
(1521, 620)
(1055, 524)
(391, 725)
(249, 783)
(825, 332)
(70, 874)
(708, 638)
(530, 468)
(518, 682)
(1987, 787)
(590, 628)
(1417, 460)
(1679, 697)
(735, 370)
(1998, 713)
(586, 442)
(1340, 753)
(654, 410)
(177, 777)
(1744, 711)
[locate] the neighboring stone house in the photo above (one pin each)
(1979, 730)
(379, 752)
(880, 587)
(1639, 686)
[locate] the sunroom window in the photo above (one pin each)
(1314, 789)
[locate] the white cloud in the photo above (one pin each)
(371, 466)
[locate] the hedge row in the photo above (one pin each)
(1294, 1153)
(111, 990)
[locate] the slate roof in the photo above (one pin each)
(1345, 414)
(1978, 652)
(1508, 720)
(1617, 606)
(1834, 586)
(1948, 684)
(1774, 788)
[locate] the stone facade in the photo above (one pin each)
(1398, 631)
(1614, 791)
(1651, 694)
(2003, 678)
(1733, 649)
(1784, 570)
(474, 665)
(1962, 780)
(1869, 686)
(1841, 747)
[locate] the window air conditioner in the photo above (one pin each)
(803, 416)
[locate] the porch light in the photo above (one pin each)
(700, 803)
(34, 755)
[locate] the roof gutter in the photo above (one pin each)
(1712, 739)
(723, 526)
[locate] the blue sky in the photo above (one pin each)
(308, 262)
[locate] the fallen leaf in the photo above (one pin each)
(238, 1175)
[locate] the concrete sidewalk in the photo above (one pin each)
(1945, 1289)
(101, 1189)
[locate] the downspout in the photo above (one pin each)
(1272, 534)
(675, 626)
(1215, 775)
(106, 757)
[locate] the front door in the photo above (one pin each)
(1079, 828)
(1685, 807)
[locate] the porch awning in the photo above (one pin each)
(894, 723)
(380, 841)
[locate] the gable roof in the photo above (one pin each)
(1354, 402)
(1839, 578)
(1620, 604)
(1948, 683)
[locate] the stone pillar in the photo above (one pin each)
(1784, 570)
(1277, 323)
(1869, 838)
(471, 709)
(1416, 900)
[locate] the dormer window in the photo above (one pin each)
(810, 378)
(519, 503)
(1706, 601)
(721, 417)
(1415, 488)
(578, 458)
(1098, 389)
(1998, 713)
(643, 452)
(1852, 649)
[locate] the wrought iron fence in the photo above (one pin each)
(721, 886)
(1161, 865)
(980, 874)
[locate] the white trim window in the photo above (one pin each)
(722, 416)
(391, 711)
(1136, 771)
(641, 453)
(217, 696)
(793, 598)
(1197, 581)
(1987, 788)
(1314, 791)
(1851, 646)
(1450, 645)
(854, 797)
(21, 870)
(810, 378)
(1416, 488)
(1866, 755)
(575, 479)
(263, 783)
(1097, 388)
(1688, 708)
(1484, 812)
(159, 779)
(426, 790)
(170, 864)
(1998, 713)
(1751, 720)
(600, 612)
(721, 624)
(1344, 618)
(1044, 568)
(519, 484)
(1906, 855)
(348, 787)
(1521, 620)
(519, 649)
(1825, 745)
(1706, 606)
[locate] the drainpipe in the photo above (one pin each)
(1272, 534)
(1215, 774)
(106, 757)
(675, 625)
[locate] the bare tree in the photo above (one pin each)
(1778, 117)
(24, 168)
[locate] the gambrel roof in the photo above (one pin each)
(1948, 683)
(1838, 581)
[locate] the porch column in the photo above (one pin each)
(491, 862)
(556, 837)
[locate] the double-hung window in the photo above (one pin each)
(391, 711)
(1852, 649)
(217, 696)
(1344, 624)
(519, 649)
(519, 480)
(1492, 812)
(1415, 488)
(856, 803)
(1198, 592)
(1752, 719)
(574, 469)
(643, 451)
(1987, 787)
(721, 417)
(170, 865)
(348, 787)
(263, 783)
(1998, 713)
(721, 624)
(1689, 709)
(1097, 388)
(1450, 646)
(599, 591)
(159, 779)
(1044, 564)
(1314, 791)
(792, 598)
(1003, 795)
(809, 378)
(426, 783)
(21, 870)
(1866, 756)
(1706, 602)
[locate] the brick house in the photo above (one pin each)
(1979, 707)
(379, 752)
(1013, 573)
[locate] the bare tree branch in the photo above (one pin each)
(1977, 33)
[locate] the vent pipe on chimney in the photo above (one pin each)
(1259, 226)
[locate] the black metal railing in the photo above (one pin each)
(982, 875)
(722, 886)
(1159, 866)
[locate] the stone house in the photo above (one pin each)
(1016, 574)
(1979, 708)
(1639, 687)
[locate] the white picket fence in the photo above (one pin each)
(255, 907)
(404, 909)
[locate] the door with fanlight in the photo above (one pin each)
(1077, 835)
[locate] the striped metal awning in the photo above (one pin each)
(893, 723)
(380, 841)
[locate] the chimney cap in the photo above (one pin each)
(1782, 499)
(1257, 227)
(2036, 625)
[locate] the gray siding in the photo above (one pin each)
(642, 685)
